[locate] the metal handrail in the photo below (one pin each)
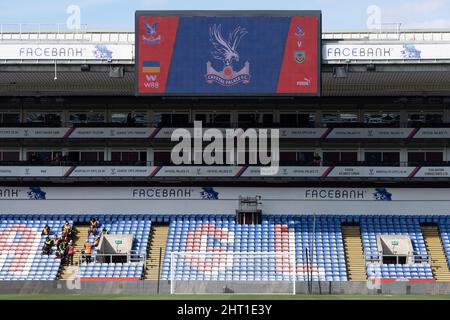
(417, 258)
(39, 27)
(133, 256)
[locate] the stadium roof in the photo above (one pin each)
(341, 76)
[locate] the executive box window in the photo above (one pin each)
(425, 118)
(213, 119)
(130, 117)
(86, 117)
(382, 118)
(85, 156)
(44, 117)
(44, 156)
(129, 156)
(381, 157)
(302, 157)
(336, 156)
(255, 119)
(9, 117)
(421, 157)
(299, 120)
(161, 158)
(9, 155)
(171, 119)
(339, 117)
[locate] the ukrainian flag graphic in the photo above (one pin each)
(151, 67)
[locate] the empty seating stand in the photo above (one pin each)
(373, 226)
(111, 271)
(291, 236)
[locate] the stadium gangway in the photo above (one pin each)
(378, 258)
(132, 256)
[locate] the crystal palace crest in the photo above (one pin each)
(226, 51)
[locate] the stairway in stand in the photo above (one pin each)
(157, 242)
(354, 255)
(80, 234)
(433, 243)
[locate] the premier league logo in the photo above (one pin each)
(152, 36)
(226, 51)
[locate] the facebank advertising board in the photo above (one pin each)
(223, 53)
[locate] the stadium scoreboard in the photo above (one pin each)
(228, 53)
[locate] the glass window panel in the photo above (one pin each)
(331, 156)
(435, 156)
(373, 156)
(416, 156)
(349, 156)
(89, 156)
(391, 157)
(11, 118)
(115, 156)
(10, 155)
(392, 118)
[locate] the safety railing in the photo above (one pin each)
(379, 258)
(56, 163)
(228, 125)
(23, 28)
(133, 256)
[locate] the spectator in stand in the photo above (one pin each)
(46, 230)
(105, 231)
(317, 159)
(66, 231)
(70, 253)
(93, 225)
(47, 248)
(96, 241)
(56, 241)
(87, 251)
(62, 249)
(130, 119)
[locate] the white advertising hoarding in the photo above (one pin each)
(37, 133)
(49, 51)
(383, 51)
(222, 200)
(136, 171)
(375, 172)
(113, 133)
(370, 133)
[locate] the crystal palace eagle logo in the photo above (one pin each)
(152, 35)
(226, 51)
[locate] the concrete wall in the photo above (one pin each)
(150, 287)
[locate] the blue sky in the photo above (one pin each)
(337, 14)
